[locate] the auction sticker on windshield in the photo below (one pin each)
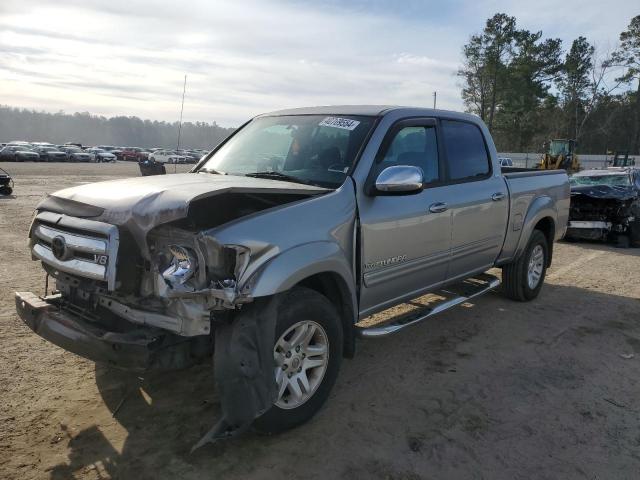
(336, 122)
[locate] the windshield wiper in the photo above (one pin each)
(277, 176)
(211, 170)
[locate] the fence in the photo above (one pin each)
(530, 160)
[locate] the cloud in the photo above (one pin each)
(243, 58)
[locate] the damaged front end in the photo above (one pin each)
(602, 212)
(160, 291)
(160, 272)
(149, 284)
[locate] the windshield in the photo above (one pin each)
(611, 180)
(313, 149)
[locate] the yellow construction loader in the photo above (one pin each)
(560, 154)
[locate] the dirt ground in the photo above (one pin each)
(496, 389)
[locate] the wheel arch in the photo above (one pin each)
(320, 266)
(541, 215)
(548, 227)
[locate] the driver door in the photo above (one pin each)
(405, 239)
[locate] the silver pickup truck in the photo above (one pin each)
(275, 251)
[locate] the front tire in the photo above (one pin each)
(522, 280)
(307, 353)
(634, 233)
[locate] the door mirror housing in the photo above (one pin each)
(399, 180)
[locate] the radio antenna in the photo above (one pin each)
(184, 89)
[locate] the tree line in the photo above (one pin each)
(57, 128)
(528, 89)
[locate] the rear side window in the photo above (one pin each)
(466, 152)
(415, 146)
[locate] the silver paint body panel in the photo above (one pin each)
(384, 249)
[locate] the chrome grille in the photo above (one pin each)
(85, 248)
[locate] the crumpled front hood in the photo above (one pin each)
(614, 192)
(142, 203)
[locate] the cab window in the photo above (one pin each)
(415, 146)
(467, 157)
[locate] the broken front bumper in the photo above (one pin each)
(588, 230)
(138, 349)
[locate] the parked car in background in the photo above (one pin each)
(100, 155)
(117, 151)
(76, 154)
(18, 153)
(167, 156)
(108, 148)
(41, 144)
(133, 154)
(51, 154)
(6, 183)
(191, 156)
(505, 162)
(605, 205)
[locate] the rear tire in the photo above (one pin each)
(634, 234)
(301, 309)
(519, 278)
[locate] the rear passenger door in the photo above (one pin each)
(477, 197)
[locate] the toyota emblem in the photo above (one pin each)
(59, 247)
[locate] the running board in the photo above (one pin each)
(452, 296)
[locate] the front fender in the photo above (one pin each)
(294, 265)
(540, 208)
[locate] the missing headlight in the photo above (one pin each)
(183, 265)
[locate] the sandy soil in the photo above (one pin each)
(497, 389)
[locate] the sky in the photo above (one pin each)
(245, 57)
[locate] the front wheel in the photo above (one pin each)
(522, 280)
(634, 233)
(307, 354)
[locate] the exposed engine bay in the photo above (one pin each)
(602, 212)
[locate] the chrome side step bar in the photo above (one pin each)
(458, 293)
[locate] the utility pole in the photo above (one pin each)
(435, 97)
(184, 89)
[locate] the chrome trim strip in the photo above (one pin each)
(588, 224)
(111, 242)
(75, 242)
(74, 266)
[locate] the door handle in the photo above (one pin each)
(496, 197)
(438, 207)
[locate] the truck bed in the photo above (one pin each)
(526, 186)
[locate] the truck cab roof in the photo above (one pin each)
(373, 111)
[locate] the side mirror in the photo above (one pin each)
(399, 179)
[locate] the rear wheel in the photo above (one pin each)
(522, 280)
(634, 233)
(307, 354)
